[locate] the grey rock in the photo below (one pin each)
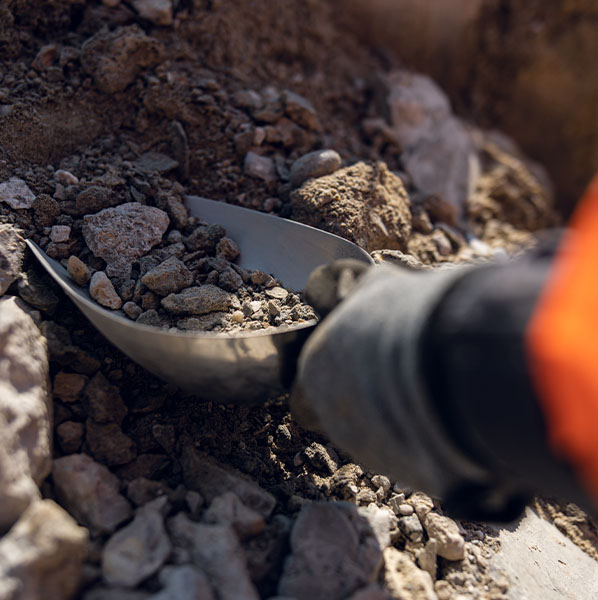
(183, 583)
(197, 300)
(60, 233)
(261, 167)
(138, 550)
(104, 402)
(159, 12)
(94, 199)
(450, 543)
(77, 270)
(230, 280)
(16, 193)
(69, 435)
(228, 249)
(227, 509)
(301, 110)
(12, 250)
(445, 165)
(103, 292)
(215, 549)
(150, 317)
(25, 411)
(42, 555)
(205, 238)
(412, 528)
(90, 493)
(334, 553)
(403, 579)
(211, 479)
(155, 162)
(122, 234)
(168, 277)
(178, 213)
(417, 106)
(314, 164)
(109, 444)
(115, 58)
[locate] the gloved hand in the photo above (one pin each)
(359, 379)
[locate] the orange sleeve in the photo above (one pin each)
(562, 344)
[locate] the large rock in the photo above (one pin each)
(12, 248)
(334, 553)
(216, 550)
(25, 411)
(90, 492)
(16, 193)
(115, 58)
(138, 550)
(364, 203)
(439, 153)
(42, 555)
(197, 300)
(122, 234)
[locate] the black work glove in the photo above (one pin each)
(359, 379)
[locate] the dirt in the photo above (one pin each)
(221, 104)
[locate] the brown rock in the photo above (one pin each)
(45, 210)
(95, 198)
(115, 58)
(364, 203)
(404, 580)
(197, 300)
(77, 270)
(69, 435)
(450, 543)
(68, 386)
(104, 402)
(109, 444)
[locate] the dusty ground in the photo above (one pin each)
(90, 89)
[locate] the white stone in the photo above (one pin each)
(25, 411)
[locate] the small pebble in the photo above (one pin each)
(406, 510)
(77, 270)
(238, 316)
(277, 293)
(314, 164)
(65, 178)
(103, 292)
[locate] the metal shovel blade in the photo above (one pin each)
(238, 367)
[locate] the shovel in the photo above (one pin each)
(241, 367)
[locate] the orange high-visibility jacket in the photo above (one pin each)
(562, 344)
